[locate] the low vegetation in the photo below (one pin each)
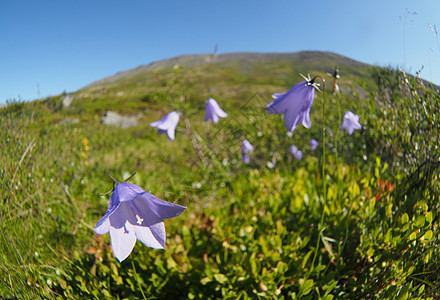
(356, 218)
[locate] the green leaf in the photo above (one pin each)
(221, 278)
(280, 228)
(282, 267)
(428, 235)
(306, 258)
(330, 286)
(403, 294)
(429, 217)
(420, 221)
(307, 287)
(319, 268)
(355, 190)
(114, 269)
(205, 280)
(405, 218)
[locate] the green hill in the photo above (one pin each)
(356, 218)
(235, 76)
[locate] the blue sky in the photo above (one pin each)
(48, 47)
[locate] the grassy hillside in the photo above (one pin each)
(356, 218)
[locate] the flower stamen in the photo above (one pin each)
(139, 220)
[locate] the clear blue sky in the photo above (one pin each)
(47, 47)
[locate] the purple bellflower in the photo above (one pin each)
(295, 104)
(167, 124)
(213, 111)
(135, 214)
(350, 122)
(246, 147)
(296, 153)
(313, 144)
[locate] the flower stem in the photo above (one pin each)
(323, 180)
(135, 274)
(195, 144)
(337, 151)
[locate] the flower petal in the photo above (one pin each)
(208, 112)
(103, 226)
(278, 95)
(156, 123)
(277, 106)
(122, 233)
(288, 100)
(292, 118)
(216, 108)
(307, 123)
(126, 191)
(147, 203)
(215, 118)
(152, 236)
(170, 133)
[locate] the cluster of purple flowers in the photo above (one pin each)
(134, 214)
(296, 103)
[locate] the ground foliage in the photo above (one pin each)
(272, 229)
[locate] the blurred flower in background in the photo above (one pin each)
(296, 153)
(313, 144)
(213, 111)
(350, 122)
(167, 124)
(246, 147)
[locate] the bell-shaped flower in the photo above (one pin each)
(296, 153)
(246, 147)
(213, 111)
(134, 214)
(295, 104)
(167, 124)
(313, 144)
(350, 122)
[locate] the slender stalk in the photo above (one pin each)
(196, 146)
(337, 151)
(323, 178)
(135, 274)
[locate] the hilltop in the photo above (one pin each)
(232, 77)
(315, 60)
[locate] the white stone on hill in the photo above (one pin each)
(115, 119)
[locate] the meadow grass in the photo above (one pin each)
(250, 230)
